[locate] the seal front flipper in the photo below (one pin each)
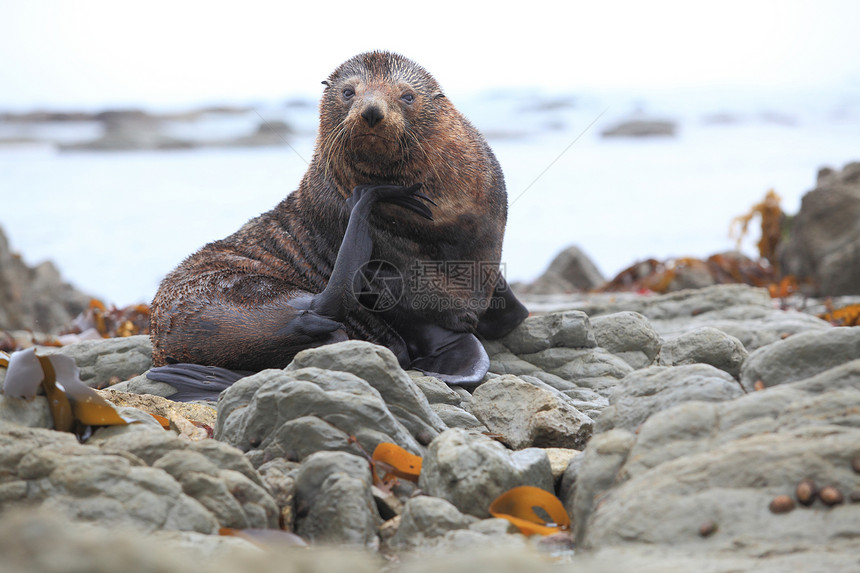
(504, 313)
(357, 244)
(195, 382)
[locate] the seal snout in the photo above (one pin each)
(373, 111)
(372, 115)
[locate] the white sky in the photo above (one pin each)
(114, 52)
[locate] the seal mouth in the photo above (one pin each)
(374, 136)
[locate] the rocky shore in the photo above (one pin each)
(705, 429)
(675, 429)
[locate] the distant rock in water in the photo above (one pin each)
(570, 271)
(274, 132)
(642, 128)
(126, 130)
(35, 298)
(824, 243)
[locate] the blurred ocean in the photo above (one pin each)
(116, 222)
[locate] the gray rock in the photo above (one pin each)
(645, 392)
(695, 427)
(378, 367)
(678, 559)
(754, 325)
(744, 312)
(641, 128)
(527, 415)
(33, 413)
(510, 363)
(570, 329)
(213, 473)
(471, 470)
(824, 242)
(705, 345)
(596, 472)
(592, 368)
(750, 449)
(143, 385)
(436, 391)
(79, 546)
(494, 526)
(35, 298)
(801, 356)
(583, 399)
(152, 446)
(126, 130)
(297, 412)
(230, 496)
(425, 518)
(571, 270)
(51, 470)
(100, 360)
(334, 500)
(629, 336)
(684, 304)
(456, 417)
(733, 486)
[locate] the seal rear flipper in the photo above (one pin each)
(505, 313)
(460, 360)
(194, 381)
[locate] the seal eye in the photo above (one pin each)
(348, 93)
(408, 98)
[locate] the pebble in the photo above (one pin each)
(806, 491)
(781, 504)
(830, 495)
(708, 528)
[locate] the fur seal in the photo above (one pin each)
(402, 191)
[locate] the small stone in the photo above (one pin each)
(559, 458)
(781, 504)
(708, 528)
(830, 495)
(855, 496)
(759, 385)
(855, 464)
(389, 528)
(784, 335)
(806, 491)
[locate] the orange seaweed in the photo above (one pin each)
(518, 506)
(845, 316)
(401, 463)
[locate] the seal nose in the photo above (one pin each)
(372, 114)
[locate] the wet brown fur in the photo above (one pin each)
(225, 304)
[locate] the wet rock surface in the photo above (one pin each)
(699, 415)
